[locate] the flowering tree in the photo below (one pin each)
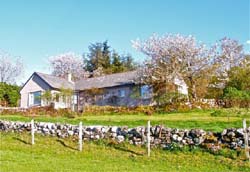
(10, 70)
(63, 64)
(229, 54)
(171, 56)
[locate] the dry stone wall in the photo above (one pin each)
(160, 136)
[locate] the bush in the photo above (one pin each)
(236, 98)
(9, 95)
(170, 98)
(67, 113)
(118, 110)
(148, 110)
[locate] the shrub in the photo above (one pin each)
(236, 98)
(170, 98)
(149, 110)
(9, 95)
(66, 113)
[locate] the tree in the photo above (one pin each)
(117, 65)
(229, 54)
(9, 94)
(229, 59)
(101, 59)
(47, 97)
(66, 95)
(175, 56)
(128, 62)
(63, 64)
(10, 70)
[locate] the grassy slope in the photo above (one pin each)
(51, 154)
(198, 119)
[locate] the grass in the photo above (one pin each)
(53, 154)
(206, 120)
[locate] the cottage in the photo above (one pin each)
(115, 89)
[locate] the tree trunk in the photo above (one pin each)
(192, 89)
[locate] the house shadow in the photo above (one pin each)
(65, 145)
(23, 141)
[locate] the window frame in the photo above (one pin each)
(145, 92)
(35, 100)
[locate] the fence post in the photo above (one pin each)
(246, 139)
(80, 136)
(148, 138)
(32, 132)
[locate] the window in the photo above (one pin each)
(121, 93)
(74, 99)
(145, 91)
(35, 98)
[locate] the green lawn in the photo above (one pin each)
(53, 154)
(196, 119)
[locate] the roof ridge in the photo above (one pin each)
(112, 74)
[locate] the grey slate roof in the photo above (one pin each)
(55, 82)
(111, 80)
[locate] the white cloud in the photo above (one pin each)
(248, 42)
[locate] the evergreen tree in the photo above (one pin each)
(117, 65)
(100, 58)
(128, 62)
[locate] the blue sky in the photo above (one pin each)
(36, 30)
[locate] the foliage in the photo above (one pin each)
(9, 94)
(99, 110)
(148, 110)
(66, 63)
(229, 54)
(236, 98)
(101, 60)
(66, 113)
(47, 97)
(231, 68)
(10, 70)
(239, 78)
(170, 98)
(175, 56)
(204, 70)
(237, 89)
(177, 107)
(66, 94)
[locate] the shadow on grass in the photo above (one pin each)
(67, 146)
(23, 141)
(117, 147)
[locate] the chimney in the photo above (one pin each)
(70, 77)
